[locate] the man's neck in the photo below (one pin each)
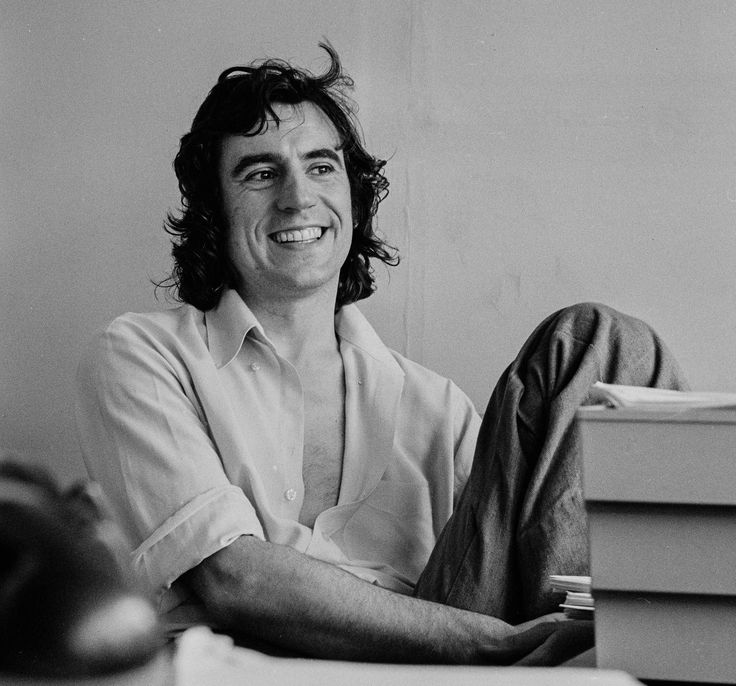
(303, 331)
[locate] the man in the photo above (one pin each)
(274, 461)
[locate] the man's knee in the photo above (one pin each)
(594, 321)
(628, 349)
(588, 315)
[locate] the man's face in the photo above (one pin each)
(286, 198)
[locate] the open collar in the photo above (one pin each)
(230, 322)
(352, 326)
(227, 326)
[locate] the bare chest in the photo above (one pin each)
(324, 441)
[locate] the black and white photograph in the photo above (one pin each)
(368, 342)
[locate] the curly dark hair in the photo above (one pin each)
(241, 102)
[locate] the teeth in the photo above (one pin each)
(299, 235)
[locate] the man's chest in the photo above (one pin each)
(324, 442)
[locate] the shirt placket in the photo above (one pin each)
(290, 441)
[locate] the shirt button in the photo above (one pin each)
(255, 366)
(290, 494)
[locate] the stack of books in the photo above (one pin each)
(659, 480)
(578, 603)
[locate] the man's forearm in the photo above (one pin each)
(278, 594)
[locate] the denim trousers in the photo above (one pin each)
(521, 516)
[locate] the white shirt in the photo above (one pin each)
(193, 424)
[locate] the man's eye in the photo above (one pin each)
(320, 169)
(261, 175)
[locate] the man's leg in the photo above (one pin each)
(522, 514)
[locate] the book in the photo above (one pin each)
(637, 455)
(666, 636)
(642, 397)
(579, 584)
(578, 601)
(671, 548)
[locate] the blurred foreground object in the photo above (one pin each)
(68, 607)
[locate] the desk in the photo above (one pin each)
(206, 659)
(202, 658)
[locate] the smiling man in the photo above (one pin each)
(286, 200)
(287, 476)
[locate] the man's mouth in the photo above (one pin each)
(306, 235)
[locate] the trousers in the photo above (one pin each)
(521, 516)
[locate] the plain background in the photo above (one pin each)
(540, 153)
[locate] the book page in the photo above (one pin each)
(615, 395)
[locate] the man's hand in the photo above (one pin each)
(566, 639)
(274, 593)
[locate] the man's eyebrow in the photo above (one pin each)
(249, 160)
(329, 153)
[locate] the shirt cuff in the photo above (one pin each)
(210, 522)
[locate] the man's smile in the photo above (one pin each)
(305, 235)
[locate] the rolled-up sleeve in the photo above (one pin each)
(203, 526)
(144, 437)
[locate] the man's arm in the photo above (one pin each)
(280, 595)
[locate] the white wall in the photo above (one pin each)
(541, 153)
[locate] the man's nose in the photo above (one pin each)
(296, 193)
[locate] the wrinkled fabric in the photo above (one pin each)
(193, 424)
(522, 515)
